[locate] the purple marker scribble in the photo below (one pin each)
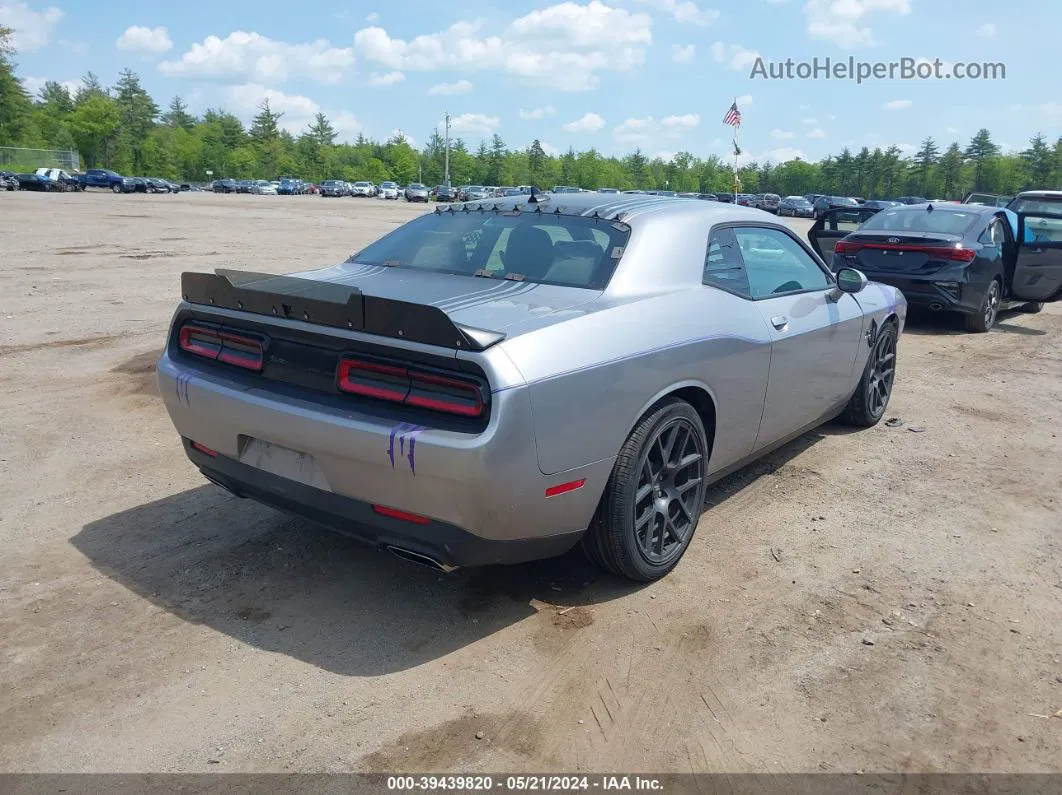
(412, 445)
(391, 448)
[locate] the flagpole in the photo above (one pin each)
(737, 148)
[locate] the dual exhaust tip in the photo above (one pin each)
(419, 559)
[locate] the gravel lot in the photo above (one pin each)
(881, 600)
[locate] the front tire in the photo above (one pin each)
(985, 318)
(867, 405)
(1033, 307)
(116, 188)
(652, 502)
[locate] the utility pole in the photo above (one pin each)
(446, 169)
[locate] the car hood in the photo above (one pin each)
(492, 304)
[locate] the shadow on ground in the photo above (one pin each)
(932, 324)
(283, 585)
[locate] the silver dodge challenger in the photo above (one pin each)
(498, 381)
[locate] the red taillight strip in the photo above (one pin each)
(410, 380)
(248, 360)
(957, 253)
(405, 516)
(202, 448)
(564, 488)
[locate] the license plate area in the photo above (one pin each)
(282, 462)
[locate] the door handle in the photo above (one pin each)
(780, 322)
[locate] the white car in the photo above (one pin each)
(388, 190)
(264, 187)
(363, 189)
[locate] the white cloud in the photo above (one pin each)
(261, 59)
(32, 29)
(648, 131)
(952, 130)
(385, 79)
(782, 135)
(783, 154)
(810, 122)
(33, 85)
(805, 107)
(451, 89)
(738, 57)
(409, 138)
(372, 17)
(666, 156)
(1053, 109)
(831, 117)
(986, 31)
(897, 104)
(245, 101)
(563, 46)
(683, 54)
(818, 132)
(537, 113)
(346, 125)
(473, 124)
(717, 143)
(549, 149)
(684, 11)
(907, 149)
(744, 100)
(844, 21)
(143, 39)
(588, 123)
(682, 123)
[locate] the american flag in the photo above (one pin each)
(733, 116)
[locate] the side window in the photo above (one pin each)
(723, 267)
(776, 264)
(993, 234)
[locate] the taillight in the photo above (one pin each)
(222, 345)
(956, 253)
(412, 387)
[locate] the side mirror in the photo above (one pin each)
(850, 280)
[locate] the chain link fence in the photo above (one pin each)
(17, 159)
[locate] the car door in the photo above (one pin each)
(1037, 273)
(833, 225)
(816, 330)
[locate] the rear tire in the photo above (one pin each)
(1033, 307)
(116, 188)
(985, 317)
(654, 496)
(867, 405)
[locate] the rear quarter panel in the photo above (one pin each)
(592, 377)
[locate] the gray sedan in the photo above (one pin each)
(498, 382)
(415, 192)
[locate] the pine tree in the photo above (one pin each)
(178, 115)
(925, 158)
(15, 104)
(951, 163)
(1039, 160)
(264, 125)
(980, 152)
(321, 131)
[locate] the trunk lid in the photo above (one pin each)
(895, 252)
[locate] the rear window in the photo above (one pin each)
(901, 219)
(1039, 205)
(535, 247)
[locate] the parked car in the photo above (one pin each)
(824, 203)
(368, 423)
(769, 202)
(727, 198)
(288, 187)
(608, 190)
(158, 185)
(8, 180)
(52, 180)
(388, 190)
(135, 185)
(476, 193)
(363, 189)
(987, 199)
(880, 204)
(333, 187)
(101, 178)
(796, 207)
(911, 199)
(263, 187)
(445, 194)
(512, 192)
(225, 186)
(244, 185)
(415, 192)
(966, 258)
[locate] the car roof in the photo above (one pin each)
(1040, 194)
(951, 207)
(620, 207)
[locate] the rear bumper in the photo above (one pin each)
(480, 487)
(949, 290)
(444, 543)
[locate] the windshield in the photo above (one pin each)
(902, 219)
(1045, 205)
(534, 247)
(474, 188)
(389, 185)
(361, 184)
(416, 186)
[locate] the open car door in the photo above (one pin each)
(1037, 275)
(833, 225)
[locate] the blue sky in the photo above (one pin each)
(617, 74)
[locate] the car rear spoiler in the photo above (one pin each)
(329, 304)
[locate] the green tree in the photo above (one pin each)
(1039, 161)
(15, 105)
(925, 158)
(321, 131)
(90, 87)
(264, 126)
(94, 125)
(951, 166)
(137, 111)
(980, 152)
(178, 116)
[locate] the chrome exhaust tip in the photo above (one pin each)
(419, 559)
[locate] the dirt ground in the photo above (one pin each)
(887, 600)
